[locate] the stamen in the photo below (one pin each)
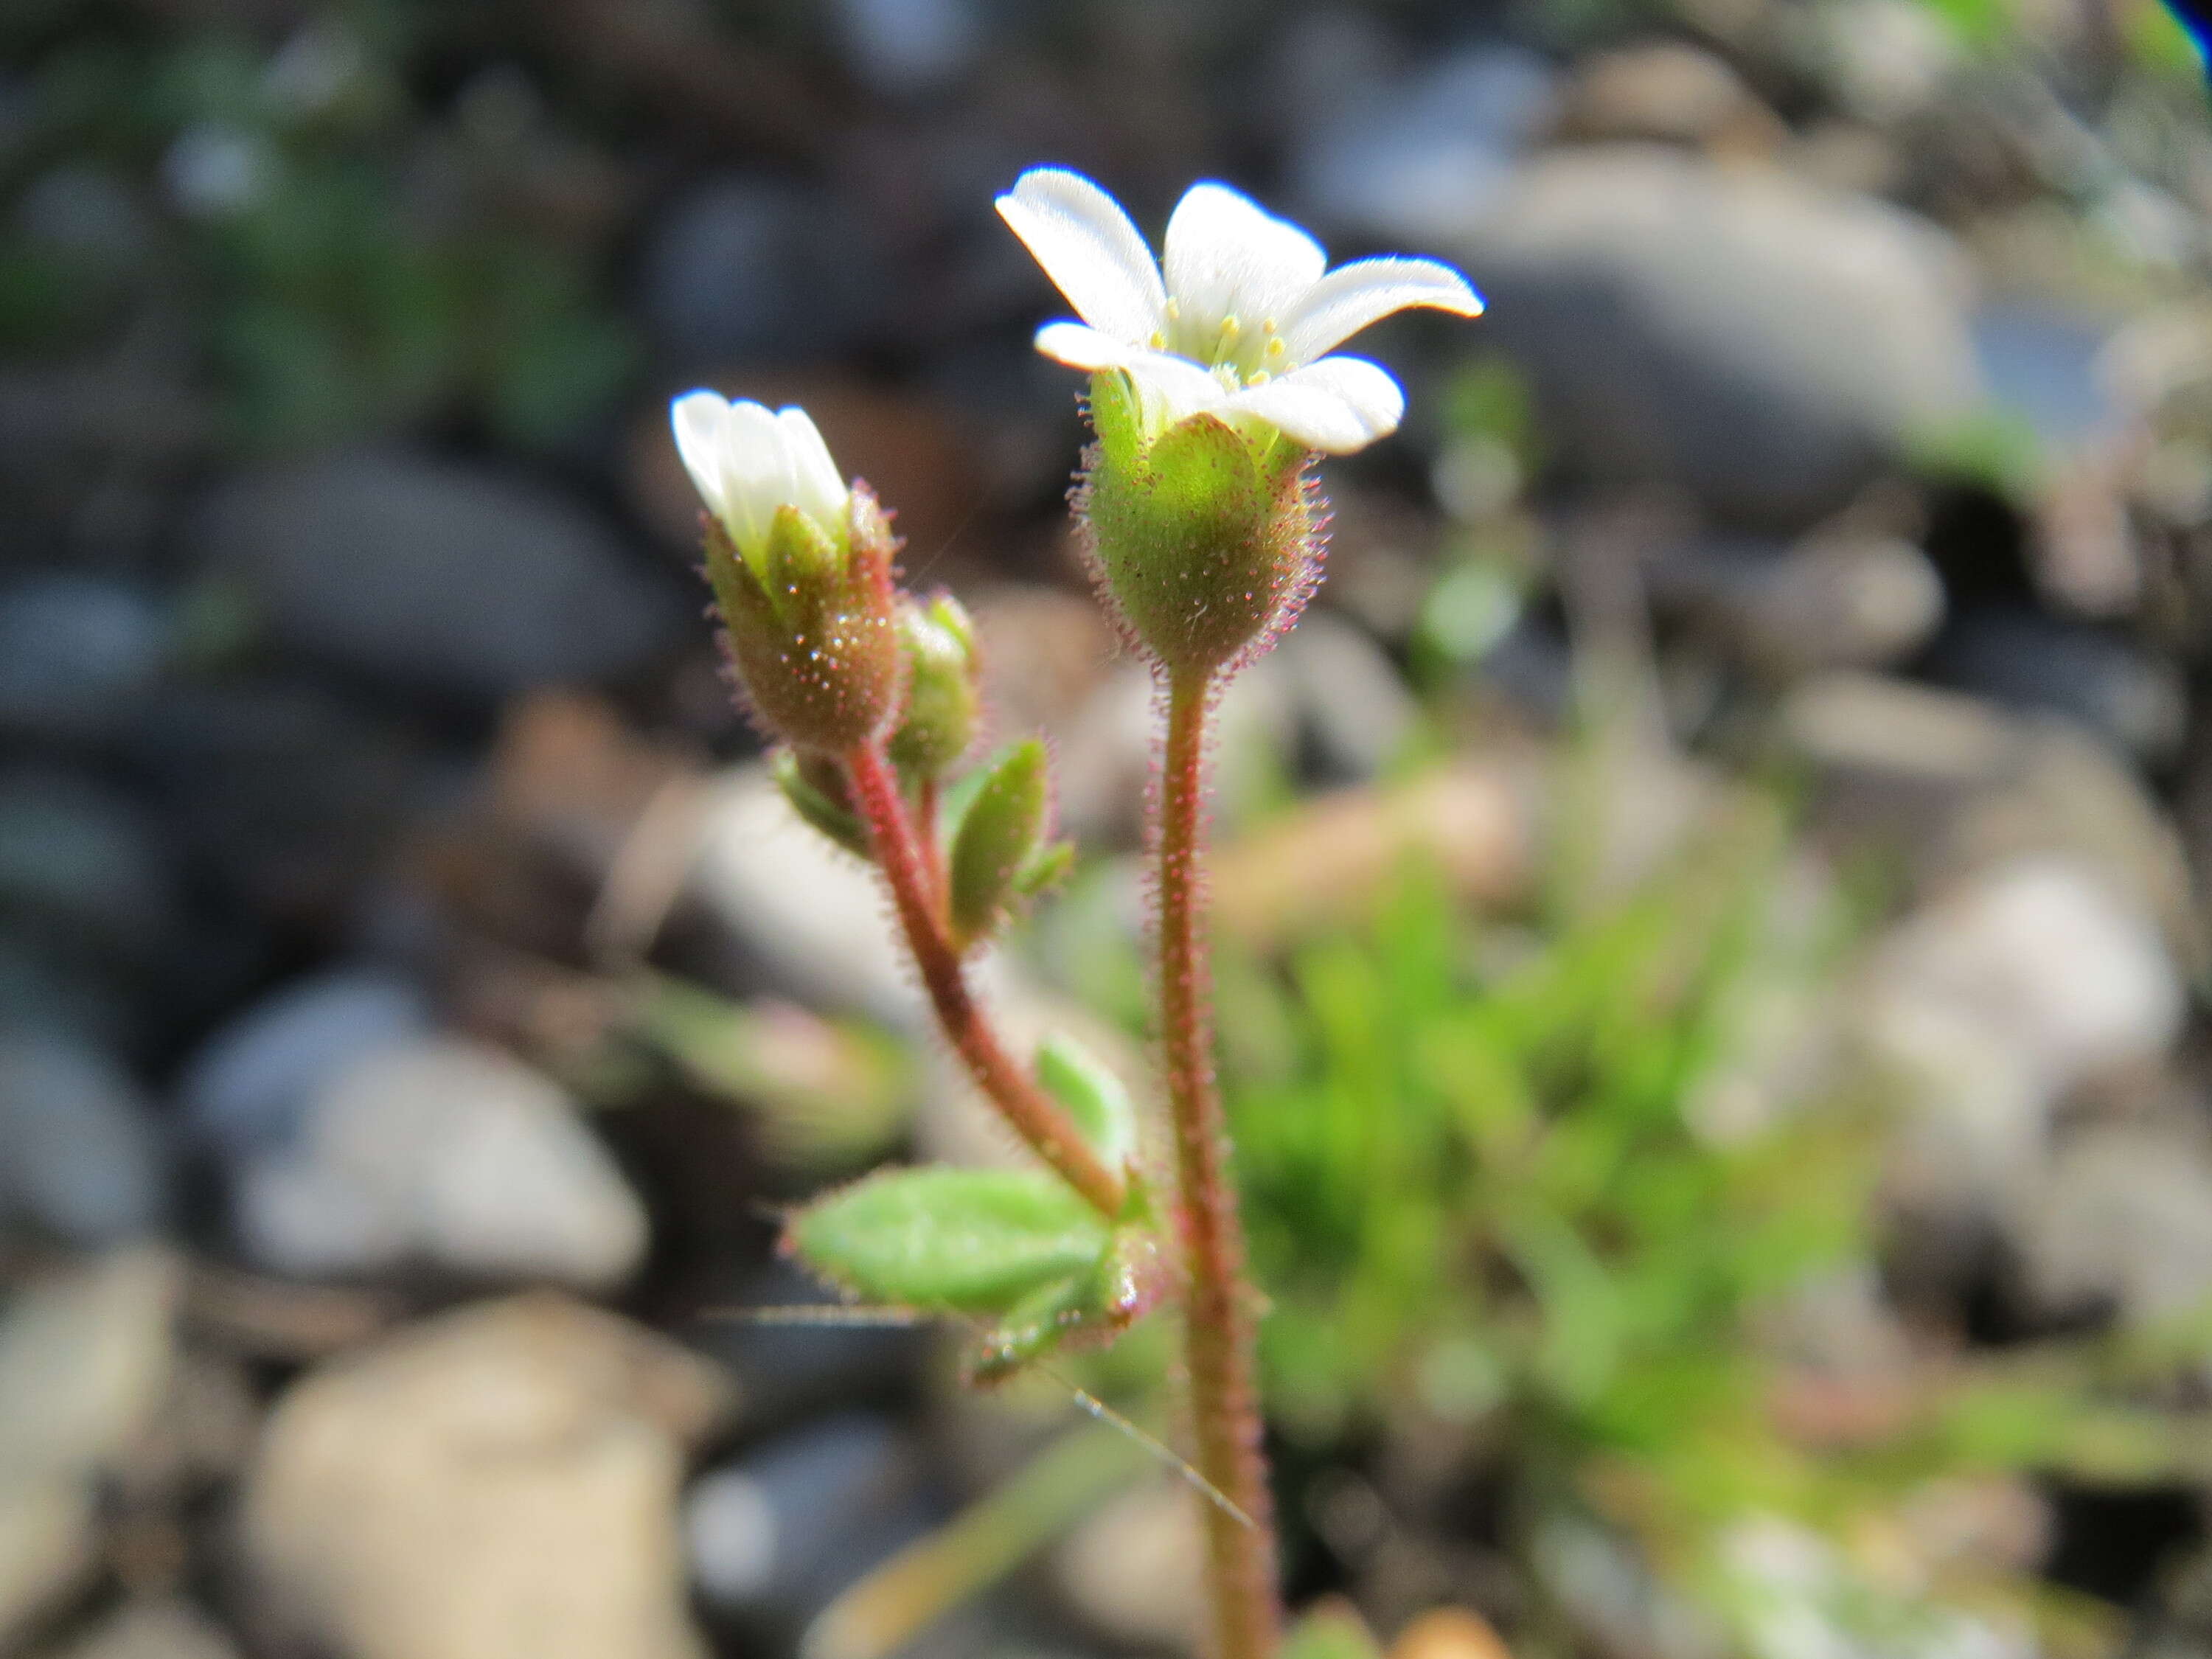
(1258, 377)
(1275, 347)
(1229, 327)
(1174, 311)
(1160, 341)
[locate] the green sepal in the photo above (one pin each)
(1093, 1097)
(1202, 536)
(1002, 829)
(969, 1240)
(816, 806)
(803, 570)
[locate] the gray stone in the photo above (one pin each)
(754, 269)
(904, 48)
(1355, 713)
(2046, 365)
(76, 652)
(153, 1628)
(448, 1150)
(1754, 338)
(1132, 1569)
(82, 866)
(499, 1483)
(2027, 660)
(248, 1085)
(2122, 1218)
(85, 1361)
(1834, 602)
(1450, 130)
(84, 1159)
(780, 1532)
(425, 574)
(2025, 982)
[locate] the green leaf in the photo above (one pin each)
(1093, 1096)
(999, 834)
(815, 804)
(975, 1241)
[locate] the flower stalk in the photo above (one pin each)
(1220, 1354)
(906, 865)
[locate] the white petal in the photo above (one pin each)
(1366, 291)
(1087, 246)
(700, 419)
(756, 479)
(1336, 405)
(815, 488)
(1227, 255)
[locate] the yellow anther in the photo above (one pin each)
(1275, 347)
(1174, 311)
(1158, 341)
(1229, 327)
(1268, 326)
(1258, 377)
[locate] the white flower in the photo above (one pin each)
(1241, 325)
(747, 463)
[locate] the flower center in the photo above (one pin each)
(1238, 354)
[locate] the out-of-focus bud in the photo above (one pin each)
(801, 569)
(1204, 537)
(943, 689)
(815, 786)
(1003, 850)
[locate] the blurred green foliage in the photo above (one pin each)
(340, 258)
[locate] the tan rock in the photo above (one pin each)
(1449, 1634)
(499, 1483)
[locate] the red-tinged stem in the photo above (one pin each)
(932, 853)
(1035, 1115)
(1219, 1338)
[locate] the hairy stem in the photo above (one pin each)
(1035, 1115)
(1218, 1336)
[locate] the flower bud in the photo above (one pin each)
(800, 566)
(1203, 531)
(944, 691)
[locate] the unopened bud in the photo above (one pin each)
(944, 691)
(801, 569)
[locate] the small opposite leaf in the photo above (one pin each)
(999, 833)
(975, 1241)
(817, 806)
(1093, 1096)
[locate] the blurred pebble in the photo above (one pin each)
(153, 1630)
(84, 1159)
(778, 1533)
(497, 1483)
(1733, 331)
(449, 1151)
(2027, 660)
(75, 652)
(423, 573)
(1354, 711)
(1449, 1634)
(85, 1360)
(2025, 981)
(755, 269)
(906, 48)
(1669, 91)
(249, 1084)
(814, 918)
(2046, 367)
(1131, 1569)
(1449, 131)
(2122, 1219)
(1833, 602)
(83, 865)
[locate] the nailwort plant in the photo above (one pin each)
(1213, 389)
